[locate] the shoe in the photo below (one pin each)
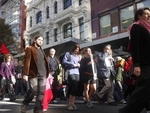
(89, 104)
(113, 104)
(12, 99)
(23, 109)
(74, 107)
(69, 107)
(99, 99)
(55, 101)
(122, 102)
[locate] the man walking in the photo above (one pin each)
(35, 71)
(106, 73)
(54, 71)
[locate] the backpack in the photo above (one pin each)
(61, 57)
(64, 67)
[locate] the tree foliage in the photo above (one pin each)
(6, 35)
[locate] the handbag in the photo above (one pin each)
(12, 77)
(18, 76)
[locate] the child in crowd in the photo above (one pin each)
(48, 95)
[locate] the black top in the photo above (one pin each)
(140, 45)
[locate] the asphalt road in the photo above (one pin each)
(14, 107)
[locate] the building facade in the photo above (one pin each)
(110, 20)
(62, 23)
(10, 11)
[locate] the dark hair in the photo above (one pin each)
(140, 12)
(75, 47)
(37, 36)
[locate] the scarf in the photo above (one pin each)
(142, 23)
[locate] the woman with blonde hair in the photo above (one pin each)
(88, 70)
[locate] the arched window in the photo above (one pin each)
(55, 7)
(39, 17)
(47, 12)
(67, 3)
(30, 21)
(67, 30)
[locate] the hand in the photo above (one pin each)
(137, 71)
(25, 77)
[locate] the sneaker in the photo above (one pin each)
(74, 107)
(23, 109)
(55, 101)
(89, 104)
(122, 102)
(70, 107)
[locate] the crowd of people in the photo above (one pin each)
(110, 79)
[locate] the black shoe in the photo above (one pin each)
(99, 99)
(113, 104)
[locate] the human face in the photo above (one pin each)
(39, 42)
(76, 51)
(107, 49)
(145, 16)
(52, 52)
(8, 59)
(88, 51)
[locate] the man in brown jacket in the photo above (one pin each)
(35, 71)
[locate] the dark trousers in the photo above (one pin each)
(54, 85)
(19, 87)
(73, 84)
(140, 97)
(36, 87)
(7, 86)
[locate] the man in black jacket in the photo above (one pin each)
(140, 47)
(54, 71)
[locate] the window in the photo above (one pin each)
(55, 35)
(47, 37)
(47, 12)
(105, 25)
(68, 30)
(39, 17)
(81, 28)
(55, 7)
(142, 4)
(80, 2)
(30, 21)
(67, 3)
(126, 17)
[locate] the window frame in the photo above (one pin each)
(81, 25)
(103, 31)
(55, 7)
(47, 37)
(67, 3)
(47, 12)
(66, 29)
(30, 21)
(39, 17)
(55, 34)
(126, 21)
